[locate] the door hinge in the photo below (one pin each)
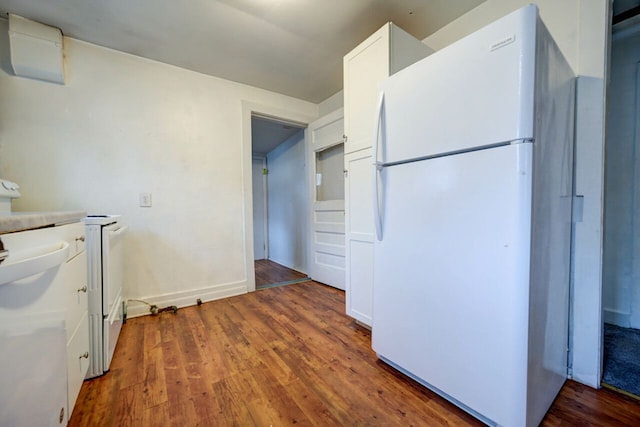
(344, 138)
(346, 173)
(265, 171)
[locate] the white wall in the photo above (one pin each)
(331, 104)
(622, 236)
(580, 27)
(559, 16)
(122, 125)
(288, 203)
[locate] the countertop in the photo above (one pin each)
(20, 221)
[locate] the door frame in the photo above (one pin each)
(250, 109)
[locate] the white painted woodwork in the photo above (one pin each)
(325, 157)
(74, 275)
(384, 53)
(260, 230)
(360, 233)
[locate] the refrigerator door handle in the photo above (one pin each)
(377, 168)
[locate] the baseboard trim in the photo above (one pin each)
(617, 318)
(288, 265)
(185, 298)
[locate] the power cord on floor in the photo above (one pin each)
(153, 309)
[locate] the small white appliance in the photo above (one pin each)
(105, 258)
(474, 191)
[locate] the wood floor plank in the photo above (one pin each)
(131, 355)
(158, 416)
(233, 410)
(282, 356)
(155, 385)
(309, 374)
(130, 408)
(97, 402)
(268, 272)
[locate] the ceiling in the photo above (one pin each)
(620, 6)
(293, 47)
(626, 14)
(267, 134)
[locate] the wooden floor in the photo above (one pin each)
(277, 357)
(269, 272)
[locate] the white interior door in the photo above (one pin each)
(258, 166)
(326, 161)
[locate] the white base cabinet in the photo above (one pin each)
(387, 51)
(44, 337)
(74, 275)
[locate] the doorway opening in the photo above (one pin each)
(280, 201)
(621, 275)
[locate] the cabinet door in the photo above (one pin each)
(364, 68)
(74, 275)
(359, 235)
(77, 360)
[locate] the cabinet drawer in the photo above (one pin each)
(78, 242)
(74, 275)
(74, 235)
(77, 360)
(76, 239)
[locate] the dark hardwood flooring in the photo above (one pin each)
(278, 357)
(269, 272)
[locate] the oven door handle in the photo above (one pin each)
(37, 260)
(117, 232)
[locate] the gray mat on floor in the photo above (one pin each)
(622, 358)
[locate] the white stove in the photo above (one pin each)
(105, 255)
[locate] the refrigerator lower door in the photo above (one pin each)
(451, 277)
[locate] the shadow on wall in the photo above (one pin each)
(5, 58)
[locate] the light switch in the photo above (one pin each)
(145, 200)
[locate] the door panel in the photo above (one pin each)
(364, 68)
(326, 159)
(259, 208)
(359, 235)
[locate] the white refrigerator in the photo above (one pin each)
(473, 208)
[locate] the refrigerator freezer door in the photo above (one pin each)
(475, 92)
(451, 276)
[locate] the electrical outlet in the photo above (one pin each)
(145, 200)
